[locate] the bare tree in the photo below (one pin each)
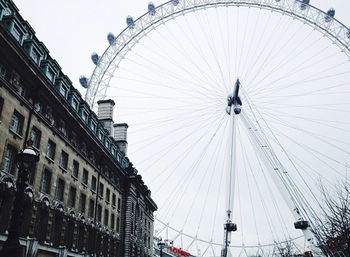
(335, 231)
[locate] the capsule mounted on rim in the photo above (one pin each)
(151, 8)
(111, 38)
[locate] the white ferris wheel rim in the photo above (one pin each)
(98, 83)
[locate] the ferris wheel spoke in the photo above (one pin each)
(190, 172)
(311, 78)
(181, 81)
(292, 71)
(269, 54)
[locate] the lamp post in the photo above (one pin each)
(26, 158)
(161, 245)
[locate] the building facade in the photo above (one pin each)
(85, 197)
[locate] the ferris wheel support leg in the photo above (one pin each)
(278, 173)
(234, 109)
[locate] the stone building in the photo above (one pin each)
(85, 197)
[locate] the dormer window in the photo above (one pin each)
(63, 90)
(100, 135)
(93, 126)
(17, 33)
(74, 104)
(50, 74)
(84, 115)
(107, 144)
(35, 56)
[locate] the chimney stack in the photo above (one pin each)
(120, 135)
(105, 114)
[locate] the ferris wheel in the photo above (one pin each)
(238, 114)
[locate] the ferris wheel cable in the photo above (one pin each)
(283, 62)
(202, 179)
(300, 67)
(269, 56)
(312, 134)
(273, 116)
(310, 79)
(243, 47)
(212, 50)
(209, 40)
(172, 75)
(194, 167)
(210, 186)
(204, 120)
(202, 136)
(299, 83)
(304, 147)
(255, 55)
(250, 42)
(237, 32)
(166, 118)
(156, 83)
(188, 57)
(200, 53)
(320, 121)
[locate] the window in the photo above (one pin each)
(100, 190)
(93, 126)
(63, 90)
(132, 207)
(84, 115)
(50, 150)
(8, 162)
(35, 136)
(2, 71)
(100, 135)
(112, 221)
(113, 200)
(64, 160)
(74, 104)
(118, 224)
(82, 203)
(50, 74)
(99, 213)
(119, 204)
(1, 103)
(16, 33)
(108, 193)
(91, 208)
(16, 124)
(60, 190)
(45, 186)
(75, 169)
(85, 177)
(105, 218)
(93, 184)
(35, 56)
(72, 196)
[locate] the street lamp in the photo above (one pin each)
(161, 245)
(26, 158)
